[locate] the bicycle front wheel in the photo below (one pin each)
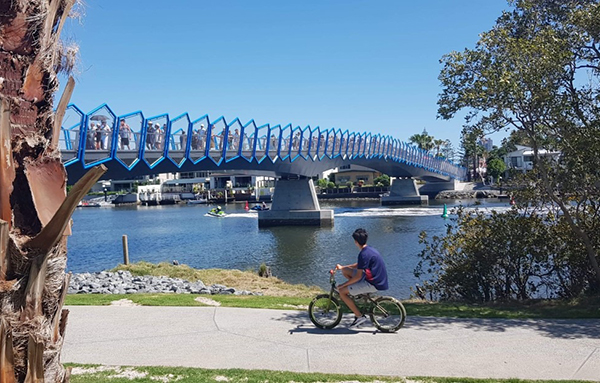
(388, 314)
(325, 311)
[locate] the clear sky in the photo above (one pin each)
(356, 65)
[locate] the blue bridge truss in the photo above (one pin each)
(132, 144)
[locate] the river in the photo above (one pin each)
(295, 254)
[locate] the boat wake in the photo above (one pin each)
(414, 211)
(241, 215)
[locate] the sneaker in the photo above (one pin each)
(358, 321)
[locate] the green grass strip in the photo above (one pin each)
(534, 310)
(100, 374)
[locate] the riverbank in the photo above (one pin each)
(245, 289)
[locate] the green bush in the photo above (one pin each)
(382, 180)
(496, 167)
(516, 255)
(322, 183)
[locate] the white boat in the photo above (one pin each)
(196, 201)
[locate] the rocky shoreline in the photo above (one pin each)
(469, 194)
(122, 282)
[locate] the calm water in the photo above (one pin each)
(295, 254)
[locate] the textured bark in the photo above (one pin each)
(34, 213)
(60, 110)
(7, 171)
(7, 368)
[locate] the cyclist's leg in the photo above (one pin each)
(344, 294)
(348, 273)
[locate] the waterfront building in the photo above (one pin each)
(355, 174)
(522, 158)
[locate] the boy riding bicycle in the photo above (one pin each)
(367, 275)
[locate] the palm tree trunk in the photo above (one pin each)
(34, 213)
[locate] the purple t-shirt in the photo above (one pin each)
(375, 272)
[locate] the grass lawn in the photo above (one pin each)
(281, 295)
(539, 309)
(102, 374)
(246, 301)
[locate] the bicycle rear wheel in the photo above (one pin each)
(388, 314)
(325, 312)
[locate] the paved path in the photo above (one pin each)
(286, 340)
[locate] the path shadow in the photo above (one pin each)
(339, 330)
(552, 328)
(303, 324)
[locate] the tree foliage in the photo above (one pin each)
(517, 255)
(322, 183)
(536, 72)
(495, 167)
(423, 141)
(382, 180)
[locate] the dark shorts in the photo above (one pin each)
(125, 140)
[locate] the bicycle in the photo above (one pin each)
(387, 313)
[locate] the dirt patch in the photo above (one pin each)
(207, 301)
(124, 302)
(123, 373)
(299, 307)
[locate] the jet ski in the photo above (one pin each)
(216, 212)
(259, 208)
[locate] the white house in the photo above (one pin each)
(522, 158)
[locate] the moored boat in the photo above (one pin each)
(196, 201)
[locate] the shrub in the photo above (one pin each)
(264, 271)
(516, 255)
(322, 183)
(382, 180)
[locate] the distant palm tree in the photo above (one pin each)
(438, 145)
(423, 141)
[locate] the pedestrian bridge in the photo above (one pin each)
(133, 144)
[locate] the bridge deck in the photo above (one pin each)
(134, 145)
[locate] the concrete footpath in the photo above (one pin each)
(219, 337)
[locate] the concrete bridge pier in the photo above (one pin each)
(404, 191)
(295, 203)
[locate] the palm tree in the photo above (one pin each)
(438, 145)
(34, 213)
(423, 141)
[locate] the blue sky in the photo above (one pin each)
(356, 65)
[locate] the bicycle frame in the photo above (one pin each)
(364, 297)
(325, 310)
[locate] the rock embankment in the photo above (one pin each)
(122, 282)
(467, 194)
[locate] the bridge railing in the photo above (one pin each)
(100, 136)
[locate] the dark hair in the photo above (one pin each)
(360, 236)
